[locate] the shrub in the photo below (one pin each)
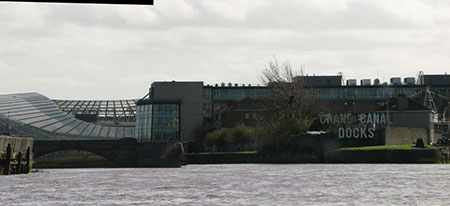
(218, 137)
(236, 136)
(241, 135)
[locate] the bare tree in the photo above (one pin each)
(287, 97)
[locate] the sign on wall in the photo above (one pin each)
(357, 126)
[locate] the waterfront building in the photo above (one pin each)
(211, 103)
(172, 110)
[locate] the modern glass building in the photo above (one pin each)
(32, 114)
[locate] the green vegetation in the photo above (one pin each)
(236, 136)
(388, 147)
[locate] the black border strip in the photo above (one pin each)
(129, 2)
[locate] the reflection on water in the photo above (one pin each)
(239, 184)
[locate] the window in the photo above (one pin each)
(207, 110)
(223, 94)
(207, 93)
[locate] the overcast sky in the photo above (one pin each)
(67, 51)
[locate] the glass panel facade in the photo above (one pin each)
(144, 122)
(166, 123)
(109, 112)
(158, 122)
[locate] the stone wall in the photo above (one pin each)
(384, 156)
(18, 144)
(405, 135)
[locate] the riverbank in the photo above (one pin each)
(374, 154)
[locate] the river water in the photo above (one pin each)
(237, 184)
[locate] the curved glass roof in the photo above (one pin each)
(32, 114)
(108, 112)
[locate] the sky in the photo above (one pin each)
(86, 51)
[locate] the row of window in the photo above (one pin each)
(225, 94)
(326, 93)
(372, 93)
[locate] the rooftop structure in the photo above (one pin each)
(322, 80)
(437, 79)
(104, 112)
(32, 114)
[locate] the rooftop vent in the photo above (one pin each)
(376, 82)
(365, 82)
(409, 81)
(396, 81)
(351, 82)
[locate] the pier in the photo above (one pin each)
(15, 155)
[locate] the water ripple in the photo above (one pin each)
(237, 184)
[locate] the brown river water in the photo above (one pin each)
(237, 184)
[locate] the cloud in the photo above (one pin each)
(112, 52)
